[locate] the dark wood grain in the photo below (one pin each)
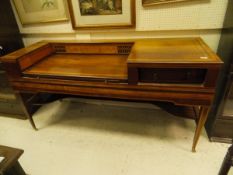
(164, 75)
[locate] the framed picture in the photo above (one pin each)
(41, 11)
(88, 14)
(154, 2)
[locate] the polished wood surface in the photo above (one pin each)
(81, 65)
(172, 51)
(93, 48)
(34, 57)
(181, 71)
(172, 54)
(16, 55)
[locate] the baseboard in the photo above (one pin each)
(222, 140)
(16, 116)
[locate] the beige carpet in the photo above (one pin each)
(90, 137)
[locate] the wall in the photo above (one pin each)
(202, 18)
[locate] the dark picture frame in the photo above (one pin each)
(90, 14)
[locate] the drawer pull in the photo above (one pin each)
(189, 75)
(155, 76)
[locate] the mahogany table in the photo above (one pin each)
(179, 70)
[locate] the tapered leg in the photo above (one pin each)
(26, 108)
(202, 119)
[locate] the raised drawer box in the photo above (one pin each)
(177, 61)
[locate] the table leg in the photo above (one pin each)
(202, 119)
(26, 108)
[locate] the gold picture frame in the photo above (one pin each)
(45, 11)
(155, 2)
(94, 14)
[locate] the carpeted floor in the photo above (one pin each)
(89, 137)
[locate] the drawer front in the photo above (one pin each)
(172, 75)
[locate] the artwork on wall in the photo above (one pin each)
(40, 11)
(154, 2)
(87, 14)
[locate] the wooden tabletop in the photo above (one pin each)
(182, 50)
(156, 50)
(81, 65)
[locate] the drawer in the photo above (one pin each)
(172, 75)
